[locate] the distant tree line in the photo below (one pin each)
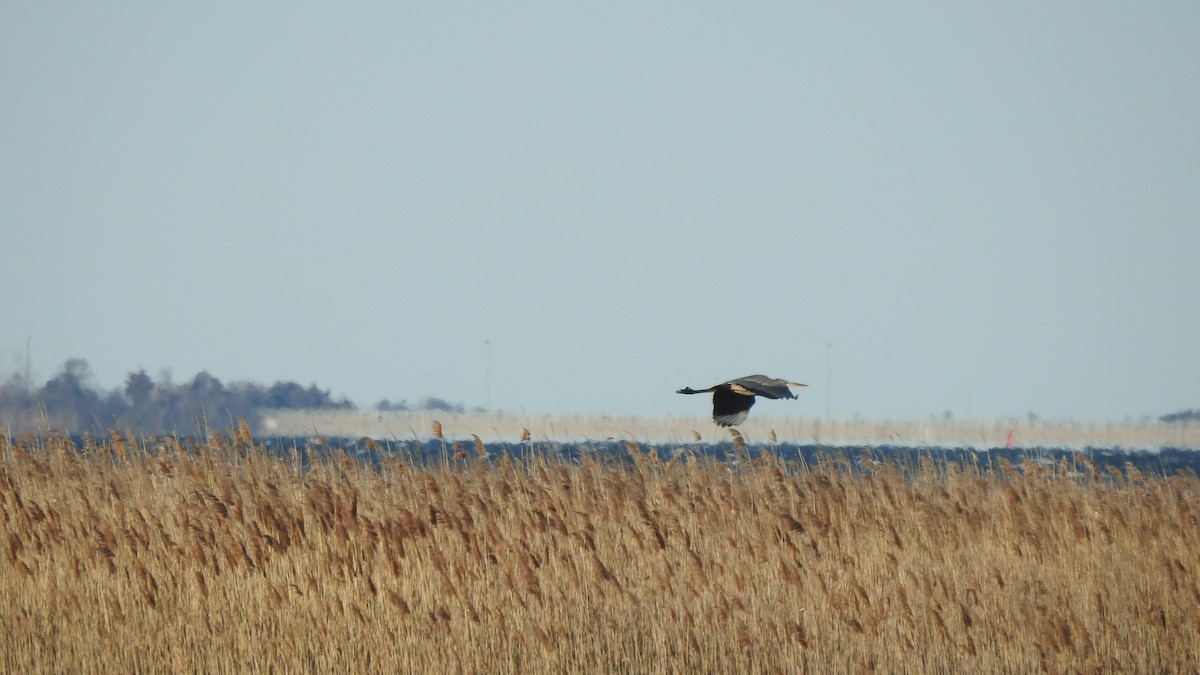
(428, 403)
(1191, 415)
(69, 402)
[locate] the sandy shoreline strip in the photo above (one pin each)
(506, 427)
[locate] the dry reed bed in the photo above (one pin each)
(223, 558)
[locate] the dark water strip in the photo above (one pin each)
(1165, 462)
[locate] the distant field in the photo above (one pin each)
(507, 427)
(221, 557)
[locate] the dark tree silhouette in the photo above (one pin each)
(68, 396)
(138, 389)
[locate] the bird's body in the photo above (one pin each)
(732, 399)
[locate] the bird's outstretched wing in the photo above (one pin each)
(730, 408)
(761, 385)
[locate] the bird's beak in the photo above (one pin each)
(796, 384)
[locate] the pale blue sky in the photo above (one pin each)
(991, 209)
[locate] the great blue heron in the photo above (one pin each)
(732, 399)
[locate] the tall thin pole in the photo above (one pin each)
(969, 411)
(487, 374)
(828, 377)
(28, 365)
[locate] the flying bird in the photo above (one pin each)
(732, 399)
